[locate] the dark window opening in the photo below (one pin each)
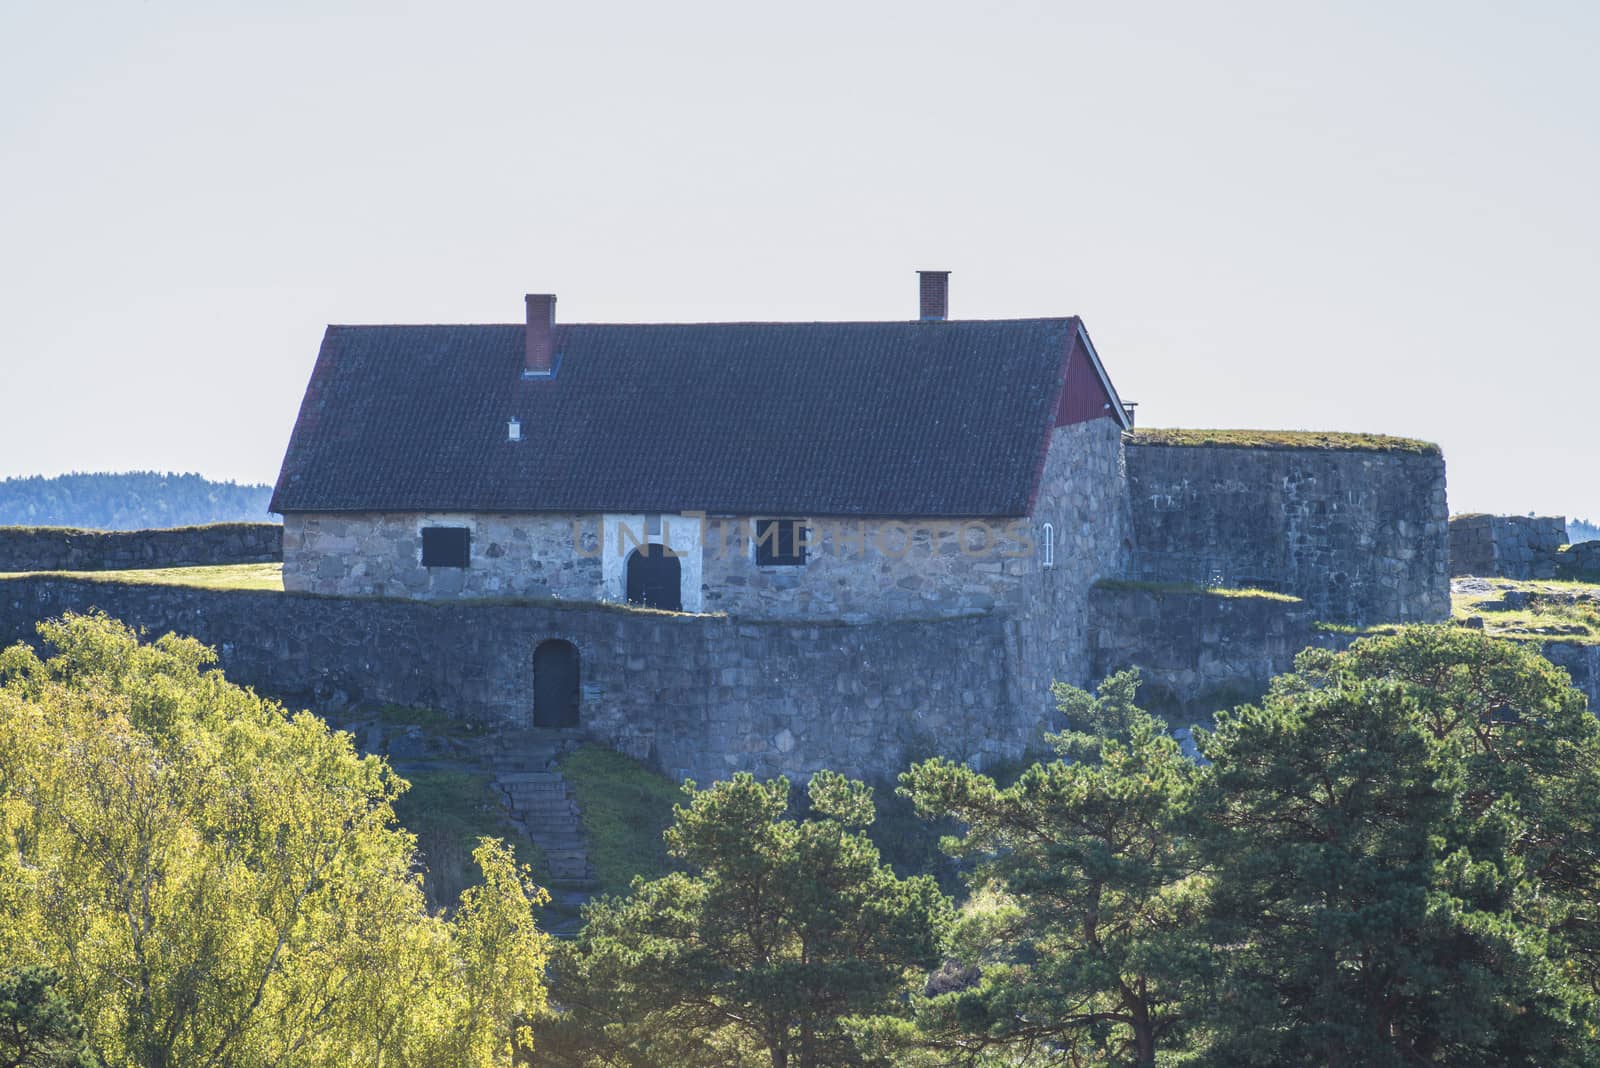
(446, 546)
(655, 579)
(555, 684)
(780, 542)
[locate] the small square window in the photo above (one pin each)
(446, 546)
(780, 543)
(652, 525)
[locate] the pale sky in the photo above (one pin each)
(1353, 216)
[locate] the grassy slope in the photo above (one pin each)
(625, 806)
(1282, 439)
(448, 811)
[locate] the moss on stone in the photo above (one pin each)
(1281, 439)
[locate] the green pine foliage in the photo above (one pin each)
(1080, 940)
(775, 936)
(1403, 840)
(38, 1027)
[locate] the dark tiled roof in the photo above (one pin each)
(888, 419)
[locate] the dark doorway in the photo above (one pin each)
(555, 684)
(655, 579)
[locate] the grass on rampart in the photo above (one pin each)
(1282, 439)
(624, 807)
(218, 577)
(1555, 610)
(1186, 589)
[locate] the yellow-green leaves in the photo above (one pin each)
(219, 882)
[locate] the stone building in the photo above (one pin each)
(840, 473)
(783, 546)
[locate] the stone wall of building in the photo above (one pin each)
(857, 570)
(863, 569)
(379, 554)
(1361, 536)
(697, 696)
(1083, 497)
(1507, 546)
(69, 549)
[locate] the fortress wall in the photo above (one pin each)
(69, 549)
(697, 696)
(1582, 663)
(1506, 546)
(1198, 652)
(1360, 535)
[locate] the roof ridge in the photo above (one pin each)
(723, 322)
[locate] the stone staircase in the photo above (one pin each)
(540, 804)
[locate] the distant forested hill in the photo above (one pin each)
(129, 501)
(1582, 530)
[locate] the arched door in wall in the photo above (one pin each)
(555, 684)
(655, 579)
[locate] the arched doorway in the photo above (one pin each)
(555, 684)
(655, 579)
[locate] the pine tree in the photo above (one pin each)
(778, 931)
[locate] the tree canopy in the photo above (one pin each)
(220, 882)
(776, 933)
(131, 500)
(1080, 935)
(1404, 838)
(1391, 859)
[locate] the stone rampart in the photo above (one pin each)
(698, 696)
(1507, 546)
(1582, 663)
(69, 549)
(1198, 651)
(1360, 535)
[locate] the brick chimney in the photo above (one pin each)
(540, 358)
(935, 295)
